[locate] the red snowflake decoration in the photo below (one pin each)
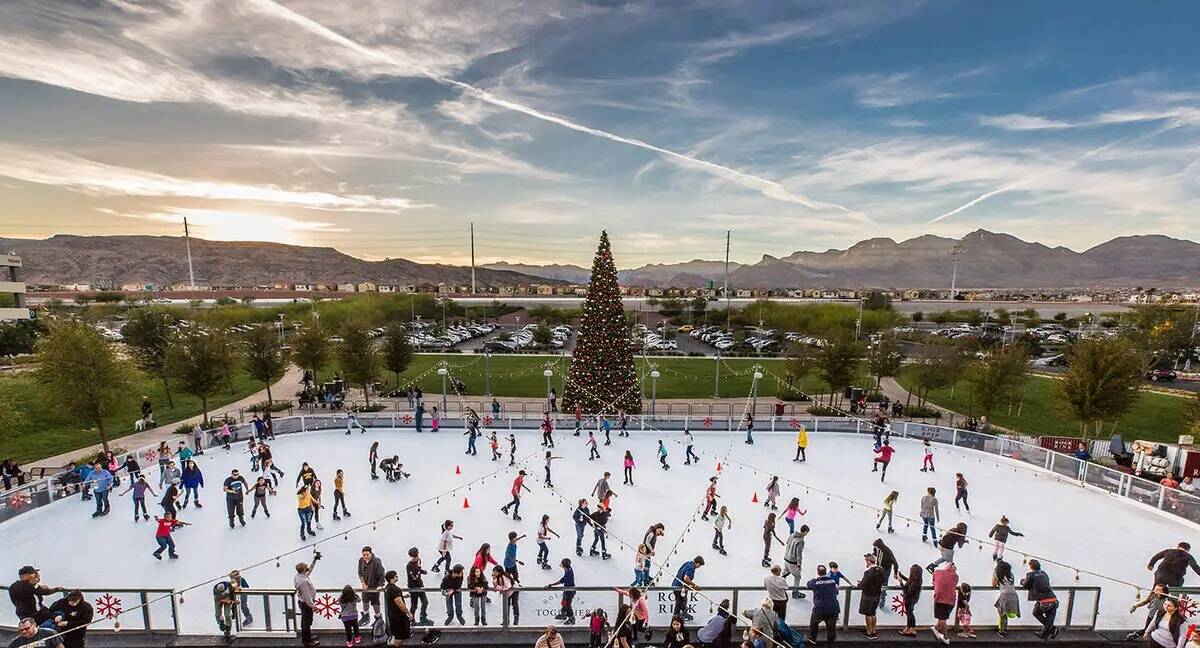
(17, 501)
(1187, 606)
(326, 606)
(407, 419)
(487, 419)
(151, 456)
(794, 423)
(898, 605)
(108, 606)
(707, 421)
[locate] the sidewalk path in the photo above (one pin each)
(281, 390)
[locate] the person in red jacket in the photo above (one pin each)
(945, 593)
(515, 504)
(882, 458)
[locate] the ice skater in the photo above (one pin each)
(304, 508)
(317, 490)
(339, 495)
(601, 490)
(445, 545)
(689, 453)
(954, 538)
(593, 452)
(607, 427)
(543, 537)
(662, 455)
(494, 444)
(547, 427)
(960, 492)
(629, 465)
(235, 488)
(927, 464)
(772, 494)
(515, 504)
(578, 418)
(769, 534)
(581, 516)
(261, 489)
(511, 564)
(139, 487)
(722, 522)
(930, 515)
(549, 458)
(748, 421)
(641, 567)
(512, 449)
(790, 513)
(166, 524)
(472, 433)
(882, 458)
(352, 422)
(267, 462)
(567, 581)
(710, 498)
(1000, 534)
(373, 458)
(623, 424)
(889, 503)
(193, 480)
(435, 420)
(600, 532)
(801, 444)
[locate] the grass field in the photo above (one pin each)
(46, 431)
(521, 376)
(1156, 417)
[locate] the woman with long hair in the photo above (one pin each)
(790, 513)
(1166, 630)
(889, 503)
(772, 494)
(1008, 604)
(373, 457)
(910, 593)
(768, 534)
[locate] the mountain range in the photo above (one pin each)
(985, 260)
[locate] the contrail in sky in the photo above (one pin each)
(766, 187)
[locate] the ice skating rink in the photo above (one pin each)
(1060, 520)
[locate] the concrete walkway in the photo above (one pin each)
(281, 390)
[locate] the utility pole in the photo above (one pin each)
(728, 307)
(954, 278)
(472, 258)
(187, 241)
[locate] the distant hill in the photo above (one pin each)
(985, 260)
(162, 260)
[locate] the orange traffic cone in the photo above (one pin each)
(754, 500)
(466, 504)
(457, 470)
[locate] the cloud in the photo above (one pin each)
(96, 178)
(1019, 122)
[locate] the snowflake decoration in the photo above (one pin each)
(151, 456)
(18, 500)
(487, 419)
(326, 606)
(794, 423)
(898, 605)
(707, 421)
(108, 606)
(1187, 606)
(407, 419)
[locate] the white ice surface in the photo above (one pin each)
(1061, 520)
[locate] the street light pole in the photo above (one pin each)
(280, 327)
(487, 373)
(754, 391)
(717, 387)
(548, 374)
(858, 322)
(653, 390)
(442, 372)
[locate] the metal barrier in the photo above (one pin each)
(280, 615)
(156, 610)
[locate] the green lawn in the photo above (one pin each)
(519, 375)
(46, 431)
(1155, 417)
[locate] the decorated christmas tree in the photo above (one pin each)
(603, 379)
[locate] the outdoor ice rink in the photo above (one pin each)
(1060, 520)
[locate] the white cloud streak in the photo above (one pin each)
(97, 178)
(766, 187)
(1018, 122)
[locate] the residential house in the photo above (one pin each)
(367, 286)
(347, 287)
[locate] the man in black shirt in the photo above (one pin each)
(29, 634)
(414, 572)
(235, 497)
(26, 595)
(399, 618)
(872, 590)
(72, 614)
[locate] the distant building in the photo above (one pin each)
(367, 286)
(387, 288)
(300, 287)
(10, 265)
(545, 289)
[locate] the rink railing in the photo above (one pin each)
(1169, 501)
(275, 611)
(152, 611)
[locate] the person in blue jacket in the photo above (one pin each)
(567, 613)
(192, 480)
(825, 606)
(102, 482)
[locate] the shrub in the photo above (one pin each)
(183, 428)
(373, 407)
(922, 412)
(824, 410)
(276, 406)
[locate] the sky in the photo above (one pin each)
(385, 128)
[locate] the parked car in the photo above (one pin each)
(1161, 375)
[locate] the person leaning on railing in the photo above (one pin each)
(550, 639)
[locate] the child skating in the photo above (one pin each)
(772, 494)
(512, 449)
(889, 503)
(710, 498)
(543, 537)
(549, 483)
(883, 458)
(494, 443)
(722, 522)
(689, 453)
(515, 504)
(927, 465)
(628, 466)
(1000, 534)
(662, 455)
(445, 546)
(593, 452)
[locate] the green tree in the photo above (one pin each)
(877, 301)
(602, 375)
(837, 362)
(698, 306)
(265, 357)
(1102, 382)
(542, 335)
(1191, 415)
(1003, 317)
(83, 375)
(20, 337)
(918, 316)
(201, 362)
(397, 352)
(937, 365)
(997, 379)
(148, 333)
(802, 361)
(358, 357)
(883, 358)
(310, 348)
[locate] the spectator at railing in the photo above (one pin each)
(29, 634)
(550, 639)
(825, 605)
(11, 473)
(26, 594)
(71, 616)
(1045, 605)
(1167, 630)
(945, 594)
(1008, 604)
(719, 629)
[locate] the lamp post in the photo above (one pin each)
(487, 373)
(442, 372)
(548, 374)
(653, 391)
(717, 388)
(754, 391)
(280, 327)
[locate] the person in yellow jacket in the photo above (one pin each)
(304, 508)
(801, 444)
